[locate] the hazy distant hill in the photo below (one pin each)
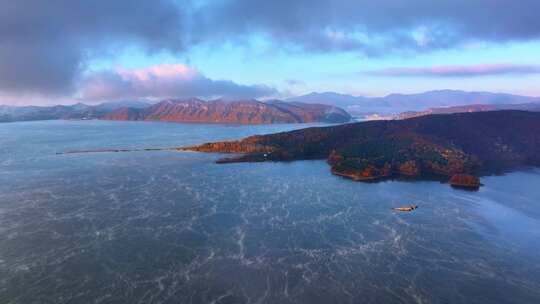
(397, 103)
(533, 107)
(113, 105)
(188, 110)
(75, 111)
(327, 107)
(330, 98)
(243, 112)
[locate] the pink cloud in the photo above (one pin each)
(163, 81)
(460, 70)
(163, 72)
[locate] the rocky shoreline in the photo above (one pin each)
(455, 147)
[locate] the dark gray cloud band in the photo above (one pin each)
(372, 27)
(44, 45)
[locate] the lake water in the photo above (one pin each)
(173, 227)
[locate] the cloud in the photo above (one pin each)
(295, 82)
(163, 81)
(45, 45)
(372, 27)
(460, 71)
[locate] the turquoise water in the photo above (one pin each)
(173, 227)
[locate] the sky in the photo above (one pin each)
(63, 51)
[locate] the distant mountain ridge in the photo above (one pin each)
(185, 110)
(240, 111)
(75, 111)
(397, 103)
(531, 107)
(327, 106)
(329, 98)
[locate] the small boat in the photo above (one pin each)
(406, 208)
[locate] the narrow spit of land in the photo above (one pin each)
(116, 150)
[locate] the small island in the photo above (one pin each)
(465, 181)
(451, 147)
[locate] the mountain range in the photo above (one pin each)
(532, 107)
(185, 110)
(393, 104)
(241, 111)
(313, 107)
(75, 111)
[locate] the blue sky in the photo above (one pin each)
(68, 51)
(344, 72)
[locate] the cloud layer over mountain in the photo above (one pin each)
(163, 81)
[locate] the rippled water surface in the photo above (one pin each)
(173, 227)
